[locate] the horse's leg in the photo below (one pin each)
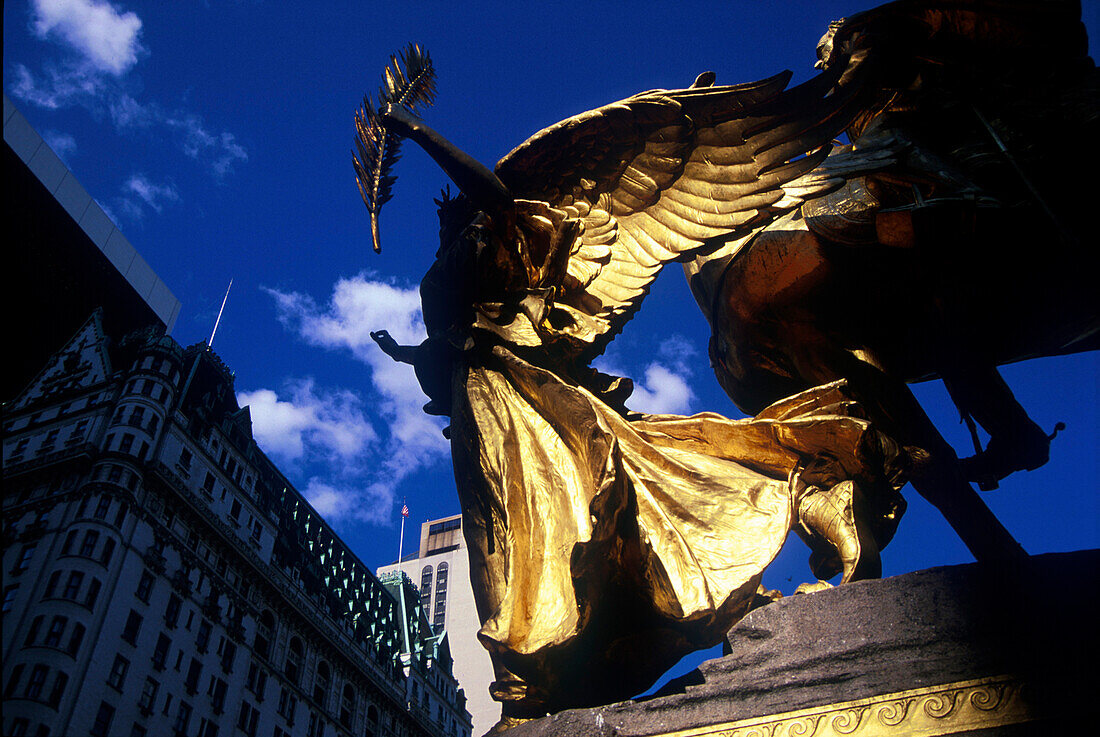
(778, 307)
(1016, 443)
(892, 406)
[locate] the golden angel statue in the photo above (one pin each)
(605, 544)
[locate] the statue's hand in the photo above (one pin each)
(398, 120)
(386, 343)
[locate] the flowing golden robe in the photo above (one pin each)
(604, 548)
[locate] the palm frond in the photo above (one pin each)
(408, 80)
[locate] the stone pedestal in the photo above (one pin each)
(960, 650)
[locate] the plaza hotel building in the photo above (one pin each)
(161, 576)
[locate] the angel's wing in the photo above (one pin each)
(666, 174)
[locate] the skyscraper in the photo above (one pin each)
(441, 569)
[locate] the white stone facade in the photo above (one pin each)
(441, 571)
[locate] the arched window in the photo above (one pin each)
(321, 683)
(372, 721)
(294, 660)
(440, 609)
(426, 590)
(265, 631)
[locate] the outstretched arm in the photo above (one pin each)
(482, 186)
(389, 346)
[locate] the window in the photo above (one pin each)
(24, 561)
(185, 459)
(229, 653)
(117, 675)
(148, 696)
(202, 639)
(34, 683)
(16, 674)
(126, 443)
(103, 507)
(247, 719)
(70, 540)
(9, 596)
(137, 417)
(321, 682)
(287, 704)
(256, 680)
(426, 589)
(60, 681)
(19, 727)
(72, 585)
(235, 510)
(347, 705)
(138, 731)
(316, 726)
(32, 631)
(133, 626)
(102, 724)
(108, 551)
(93, 593)
(194, 671)
(53, 634)
(123, 508)
(160, 653)
(75, 639)
(294, 660)
(172, 611)
(87, 548)
(207, 728)
(51, 584)
(114, 474)
(264, 630)
(145, 586)
(216, 692)
(183, 717)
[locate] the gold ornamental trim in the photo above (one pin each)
(923, 712)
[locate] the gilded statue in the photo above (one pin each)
(606, 544)
(963, 252)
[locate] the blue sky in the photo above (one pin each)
(218, 136)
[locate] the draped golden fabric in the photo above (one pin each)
(605, 545)
(606, 548)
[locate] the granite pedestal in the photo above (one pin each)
(961, 650)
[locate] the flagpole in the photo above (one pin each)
(210, 343)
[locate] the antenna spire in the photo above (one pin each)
(210, 342)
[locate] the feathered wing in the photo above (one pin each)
(667, 174)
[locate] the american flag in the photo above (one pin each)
(404, 510)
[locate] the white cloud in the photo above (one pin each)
(221, 150)
(153, 195)
(309, 423)
(662, 393)
(372, 504)
(107, 43)
(62, 144)
(412, 439)
(105, 36)
(666, 388)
